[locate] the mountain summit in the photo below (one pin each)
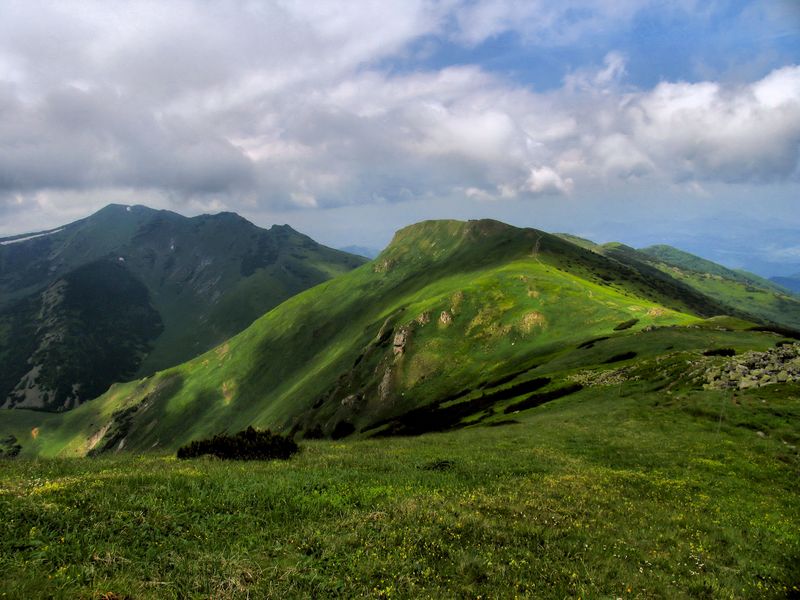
(130, 290)
(450, 319)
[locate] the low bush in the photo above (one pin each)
(626, 324)
(342, 430)
(619, 357)
(9, 447)
(250, 444)
(720, 352)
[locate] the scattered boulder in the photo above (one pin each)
(756, 369)
(352, 401)
(445, 318)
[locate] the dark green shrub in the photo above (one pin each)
(313, 433)
(618, 357)
(342, 430)
(9, 447)
(626, 324)
(720, 352)
(441, 464)
(250, 444)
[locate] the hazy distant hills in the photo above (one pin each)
(790, 283)
(743, 293)
(448, 319)
(130, 290)
(361, 251)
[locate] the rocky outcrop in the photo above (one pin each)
(756, 369)
(400, 341)
(384, 266)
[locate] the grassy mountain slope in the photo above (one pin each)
(94, 324)
(130, 290)
(640, 488)
(450, 314)
(734, 292)
(750, 294)
(578, 451)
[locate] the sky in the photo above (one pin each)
(642, 121)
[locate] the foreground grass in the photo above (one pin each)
(600, 495)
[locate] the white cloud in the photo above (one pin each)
(785, 254)
(705, 131)
(544, 180)
(288, 104)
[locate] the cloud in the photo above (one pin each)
(785, 254)
(542, 22)
(705, 131)
(544, 180)
(287, 104)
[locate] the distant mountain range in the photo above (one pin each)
(790, 283)
(131, 290)
(361, 251)
(451, 318)
(739, 292)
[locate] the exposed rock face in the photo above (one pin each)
(756, 369)
(384, 266)
(385, 386)
(400, 341)
(353, 401)
(445, 318)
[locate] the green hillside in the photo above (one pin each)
(451, 314)
(642, 484)
(512, 415)
(131, 290)
(749, 294)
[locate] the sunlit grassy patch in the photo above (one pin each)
(632, 494)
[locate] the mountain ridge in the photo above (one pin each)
(450, 316)
(206, 278)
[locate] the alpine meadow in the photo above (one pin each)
(539, 336)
